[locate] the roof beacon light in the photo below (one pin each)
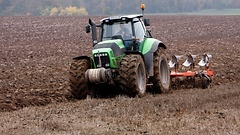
(143, 7)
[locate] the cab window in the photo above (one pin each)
(139, 29)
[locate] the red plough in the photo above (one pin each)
(189, 70)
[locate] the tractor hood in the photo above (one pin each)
(108, 54)
(116, 46)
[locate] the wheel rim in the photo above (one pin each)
(141, 79)
(164, 73)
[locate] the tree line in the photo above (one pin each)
(108, 7)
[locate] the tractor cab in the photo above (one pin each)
(130, 29)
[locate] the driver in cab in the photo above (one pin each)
(124, 32)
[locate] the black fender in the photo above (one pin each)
(87, 58)
(149, 56)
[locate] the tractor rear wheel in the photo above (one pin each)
(133, 78)
(77, 81)
(161, 79)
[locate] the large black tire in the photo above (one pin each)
(77, 81)
(133, 78)
(161, 79)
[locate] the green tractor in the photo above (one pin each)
(126, 57)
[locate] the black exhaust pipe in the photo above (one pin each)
(94, 32)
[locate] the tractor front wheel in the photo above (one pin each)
(133, 78)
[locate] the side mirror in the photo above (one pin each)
(149, 34)
(146, 22)
(88, 29)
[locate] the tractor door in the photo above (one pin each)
(139, 29)
(140, 32)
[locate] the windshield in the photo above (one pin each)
(117, 28)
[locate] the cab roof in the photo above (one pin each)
(120, 18)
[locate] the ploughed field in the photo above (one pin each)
(35, 54)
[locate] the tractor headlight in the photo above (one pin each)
(101, 60)
(100, 54)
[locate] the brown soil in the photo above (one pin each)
(36, 53)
